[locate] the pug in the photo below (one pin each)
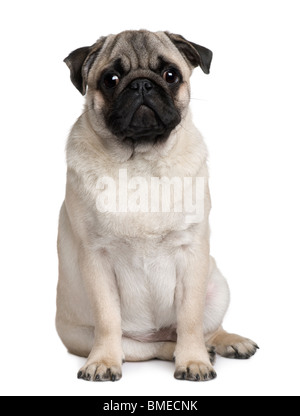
(137, 282)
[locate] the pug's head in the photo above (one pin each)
(137, 84)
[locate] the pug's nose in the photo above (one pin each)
(142, 86)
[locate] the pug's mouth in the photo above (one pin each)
(145, 125)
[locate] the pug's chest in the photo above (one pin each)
(133, 226)
(146, 206)
(144, 249)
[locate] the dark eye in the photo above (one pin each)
(171, 76)
(111, 80)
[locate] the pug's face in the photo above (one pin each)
(138, 84)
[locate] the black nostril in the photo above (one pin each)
(134, 85)
(148, 85)
(141, 85)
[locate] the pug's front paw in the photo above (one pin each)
(100, 371)
(195, 371)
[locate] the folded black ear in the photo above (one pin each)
(197, 55)
(80, 62)
(75, 63)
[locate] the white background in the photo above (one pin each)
(248, 112)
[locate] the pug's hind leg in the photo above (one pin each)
(78, 339)
(232, 345)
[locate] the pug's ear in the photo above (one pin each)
(197, 55)
(75, 62)
(80, 62)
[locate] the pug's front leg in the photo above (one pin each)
(105, 360)
(191, 356)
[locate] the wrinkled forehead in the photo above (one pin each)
(140, 50)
